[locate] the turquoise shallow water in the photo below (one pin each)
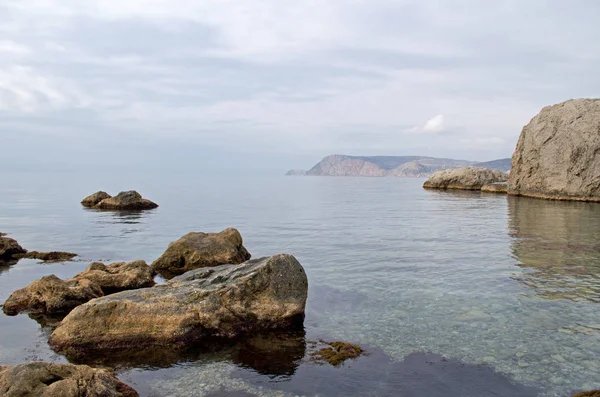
(511, 283)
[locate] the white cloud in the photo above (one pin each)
(8, 46)
(435, 124)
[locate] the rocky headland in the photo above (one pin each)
(557, 154)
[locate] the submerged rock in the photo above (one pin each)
(591, 393)
(337, 353)
(130, 200)
(498, 187)
(119, 276)
(93, 199)
(53, 256)
(225, 301)
(51, 296)
(197, 250)
(10, 248)
(557, 153)
(64, 380)
(467, 178)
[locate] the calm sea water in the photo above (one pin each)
(509, 287)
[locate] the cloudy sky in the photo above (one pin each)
(279, 84)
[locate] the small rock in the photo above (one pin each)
(498, 187)
(9, 249)
(557, 358)
(522, 364)
(93, 199)
(467, 178)
(54, 256)
(337, 353)
(125, 201)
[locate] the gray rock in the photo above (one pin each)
(557, 155)
(467, 178)
(225, 301)
(64, 380)
(196, 250)
(296, 173)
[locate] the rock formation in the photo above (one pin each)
(93, 199)
(64, 380)
(296, 173)
(225, 301)
(126, 201)
(53, 256)
(196, 250)
(52, 296)
(9, 249)
(558, 153)
(468, 178)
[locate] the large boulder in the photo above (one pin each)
(197, 250)
(467, 178)
(125, 201)
(9, 249)
(64, 380)
(93, 199)
(51, 296)
(225, 301)
(119, 276)
(557, 155)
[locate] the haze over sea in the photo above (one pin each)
(507, 284)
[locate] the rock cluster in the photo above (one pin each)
(53, 296)
(467, 178)
(196, 250)
(10, 250)
(124, 201)
(557, 155)
(224, 301)
(64, 380)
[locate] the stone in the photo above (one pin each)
(197, 250)
(93, 199)
(218, 302)
(591, 393)
(467, 178)
(64, 380)
(557, 154)
(119, 276)
(498, 187)
(125, 201)
(53, 256)
(337, 352)
(51, 296)
(9, 248)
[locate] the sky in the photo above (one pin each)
(278, 84)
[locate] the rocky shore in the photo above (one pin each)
(467, 178)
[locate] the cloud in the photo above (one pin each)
(295, 76)
(435, 124)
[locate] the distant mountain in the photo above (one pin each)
(399, 166)
(502, 165)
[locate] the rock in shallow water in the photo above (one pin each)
(64, 380)
(557, 153)
(498, 187)
(10, 248)
(198, 250)
(52, 296)
(225, 301)
(467, 178)
(130, 200)
(93, 199)
(53, 256)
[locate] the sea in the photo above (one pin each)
(450, 293)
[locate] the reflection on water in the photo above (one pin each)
(558, 246)
(131, 220)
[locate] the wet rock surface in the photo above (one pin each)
(197, 250)
(336, 353)
(467, 178)
(64, 380)
(225, 302)
(557, 153)
(53, 256)
(118, 276)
